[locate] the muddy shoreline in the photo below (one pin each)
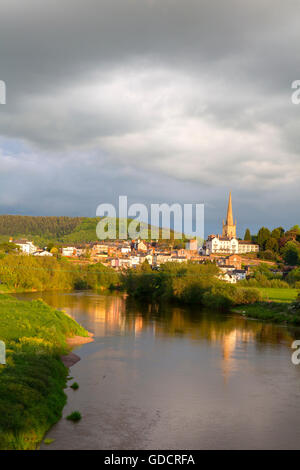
(70, 359)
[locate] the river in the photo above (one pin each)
(176, 378)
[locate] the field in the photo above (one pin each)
(33, 379)
(279, 295)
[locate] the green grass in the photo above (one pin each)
(274, 307)
(274, 312)
(48, 441)
(75, 416)
(32, 381)
(278, 295)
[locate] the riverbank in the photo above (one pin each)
(70, 359)
(29, 291)
(34, 377)
(276, 312)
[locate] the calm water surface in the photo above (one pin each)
(177, 378)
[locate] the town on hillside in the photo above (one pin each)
(234, 257)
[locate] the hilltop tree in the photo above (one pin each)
(247, 236)
(272, 244)
(277, 233)
(291, 254)
(293, 233)
(262, 237)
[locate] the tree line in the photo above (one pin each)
(56, 227)
(278, 244)
(188, 284)
(19, 273)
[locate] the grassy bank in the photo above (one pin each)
(278, 295)
(32, 381)
(275, 306)
(275, 312)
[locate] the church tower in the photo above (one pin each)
(229, 228)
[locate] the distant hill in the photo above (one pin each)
(43, 230)
(57, 227)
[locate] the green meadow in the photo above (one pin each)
(279, 295)
(33, 379)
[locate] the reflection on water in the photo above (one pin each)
(177, 378)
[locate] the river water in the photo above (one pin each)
(177, 378)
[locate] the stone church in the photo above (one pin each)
(228, 242)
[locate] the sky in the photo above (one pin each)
(163, 101)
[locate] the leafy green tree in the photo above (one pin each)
(291, 254)
(277, 233)
(9, 247)
(263, 236)
(272, 244)
(247, 235)
(293, 276)
(267, 255)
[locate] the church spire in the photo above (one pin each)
(229, 228)
(229, 218)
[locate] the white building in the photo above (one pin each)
(25, 246)
(125, 249)
(42, 253)
(227, 277)
(247, 247)
(216, 244)
(68, 251)
(223, 245)
(240, 274)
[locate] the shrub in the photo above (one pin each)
(250, 296)
(48, 441)
(74, 416)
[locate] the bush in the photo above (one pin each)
(189, 284)
(295, 306)
(74, 416)
(249, 296)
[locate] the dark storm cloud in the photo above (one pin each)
(183, 100)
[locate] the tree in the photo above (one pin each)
(296, 228)
(291, 254)
(8, 247)
(277, 233)
(267, 255)
(247, 235)
(263, 235)
(293, 276)
(272, 244)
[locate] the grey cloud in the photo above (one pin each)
(178, 98)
